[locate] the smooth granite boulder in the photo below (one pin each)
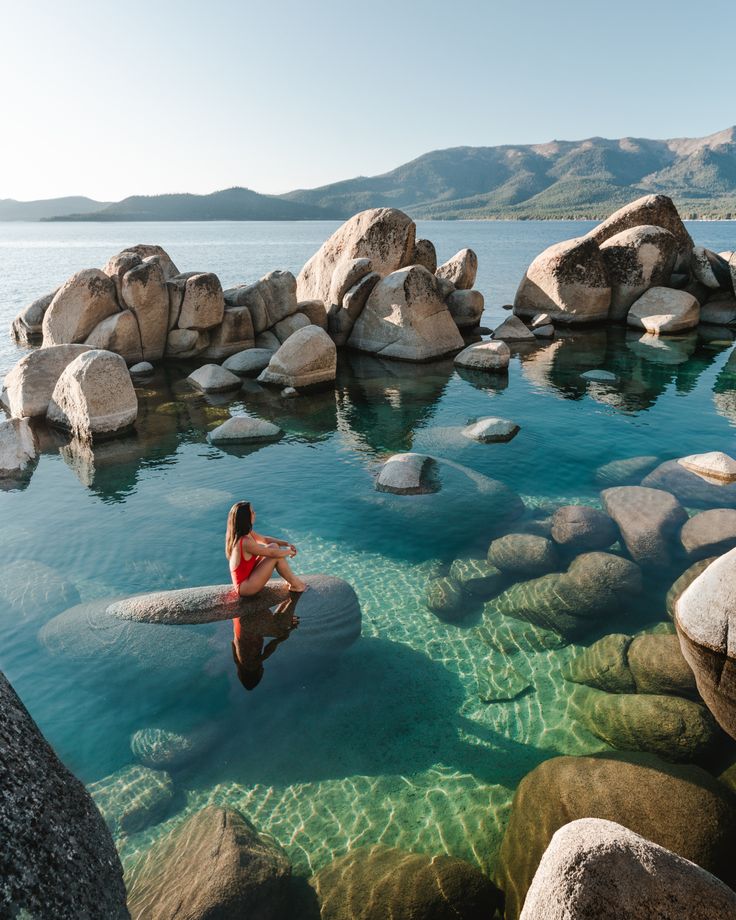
(203, 304)
(186, 343)
(582, 528)
(82, 302)
(233, 335)
(513, 330)
(386, 236)
(600, 870)
(649, 521)
(145, 294)
(477, 577)
(684, 581)
(133, 798)
(315, 311)
(248, 363)
(491, 430)
(466, 308)
(691, 488)
(117, 266)
(287, 327)
(345, 276)
(705, 618)
(408, 474)
(715, 465)
(244, 429)
(94, 396)
(28, 324)
(17, 446)
(460, 270)
(628, 472)
(307, 358)
(710, 533)
(151, 251)
(142, 369)
(269, 300)
(719, 310)
(710, 269)
(523, 554)
(214, 866)
(662, 310)
(211, 378)
(341, 320)
(544, 332)
(406, 318)
(57, 858)
(604, 665)
(381, 883)
(425, 254)
(569, 281)
(118, 333)
(635, 260)
(680, 807)
(486, 356)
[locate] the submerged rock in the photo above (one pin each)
(445, 598)
(477, 577)
(31, 591)
(600, 870)
(658, 666)
(686, 579)
(714, 465)
(502, 684)
(242, 429)
(582, 528)
(628, 472)
(408, 474)
(604, 665)
(163, 749)
(491, 430)
(133, 798)
(690, 487)
(649, 521)
(507, 634)
(523, 554)
(710, 533)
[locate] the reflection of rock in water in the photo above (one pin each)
(724, 389)
(311, 416)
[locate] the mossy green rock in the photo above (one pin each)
(477, 577)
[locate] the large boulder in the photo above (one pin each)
(146, 251)
(679, 807)
(118, 333)
(406, 318)
(133, 798)
(28, 324)
(307, 358)
(709, 533)
(650, 210)
(29, 385)
(269, 300)
(649, 521)
(233, 335)
(582, 528)
(203, 304)
(466, 308)
(386, 236)
(378, 883)
(690, 487)
(82, 302)
(17, 446)
(460, 270)
(227, 869)
(569, 281)
(710, 269)
(714, 466)
(664, 311)
(144, 292)
(94, 397)
(523, 554)
(486, 356)
(705, 617)
(57, 857)
(598, 870)
(341, 320)
(425, 254)
(635, 260)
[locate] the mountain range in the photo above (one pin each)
(559, 179)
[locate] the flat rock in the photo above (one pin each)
(307, 358)
(710, 533)
(242, 429)
(211, 378)
(30, 383)
(513, 330)
(133, 798)
(408, 474)
(649, 521)
(662, 310)
(691, 488)
(714, 465)
(460, 270)
(248, 363)
(582, 528)
(487, 356)
(491, 429)
(599, 870)
(82, 302)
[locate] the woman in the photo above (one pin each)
(254, 557)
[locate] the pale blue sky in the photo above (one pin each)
(110, 99)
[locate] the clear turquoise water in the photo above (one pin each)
(390, 742)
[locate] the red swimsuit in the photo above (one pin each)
(244, 569)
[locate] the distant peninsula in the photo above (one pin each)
(559, 179)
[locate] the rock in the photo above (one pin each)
(203, 305)
(346, 275)
(58, 858)
(720, 310)
(163, 749)
(118, 333)
(133, 798)
(28, 324)
(541, 319)
(142, 369)
(663, 311)
(635, 260)
(248, 363)
(315, 311)
(649, 520)
(686, 579)
(82, 302)
(599, 870)
(425, 254)
(211, 378)
(523, 554)
(513, 330)
(242, 429)
(30, 383)
(461, 269)
(386, 236)
(710, 269)
(499, 685)
(507, 635)
(604, 665)
(94, 396)
(477, 577)
(691, 488)
(466, 308)
(673, 728)
(308, 357)
(282, 330)
(289, 393)
(151, 251)
(568, 281)
(267, 340)
(658, 666)
(186, 343)
(491, 429)
(650, 210)
(230, 871)
(445, 598)
(581, 528)
(408, 474)
(714, 465)
(405, 318)
(269, 300)
(341, 321)
(487, 356)
(233, 335)
(704, 617)
(626, 472)
(117, 266)
(681, 808)
(710, 533)
(378, 883)
(144, 292)
(17, 446)
(598, 375)
(544, 332)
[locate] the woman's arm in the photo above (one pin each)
(275, 540)
(262, 549)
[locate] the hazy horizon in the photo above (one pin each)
(192, 98)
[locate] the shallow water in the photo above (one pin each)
(389, 741)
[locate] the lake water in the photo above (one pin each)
(390, 741)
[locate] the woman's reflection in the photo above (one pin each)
(249, 633)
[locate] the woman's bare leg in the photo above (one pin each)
(263, 571)
(284, 570)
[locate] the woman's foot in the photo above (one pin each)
(297, 586)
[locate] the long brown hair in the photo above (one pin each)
(239, 524)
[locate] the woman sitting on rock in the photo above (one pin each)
(254, 557)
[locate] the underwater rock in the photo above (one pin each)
(635, 260)
(598, 375)
(461, 269)
(507, 634)
(523, 554)
(308, 357)
(243, 429)
(513, 330)
(687, 577)
(680, 807)
(227, 870)
(600, 870)
(17, 446)
(649, 520)
(486, 356)
(658, 666)
(29, 384)
(133, 798)
(690, 488)
(445, 598)
(491, 430)
(377, 883)
(82, 302)
(710, 533)
(163, 749)
(671, 727)
(408, 474)
(603, 665)
(582, 528)
(501, 684)
(664, 311)
(57, 857)
(477, 577)
(248, 363)
(31, 591)
(211, 378)
(629, 472)
(713, 465)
